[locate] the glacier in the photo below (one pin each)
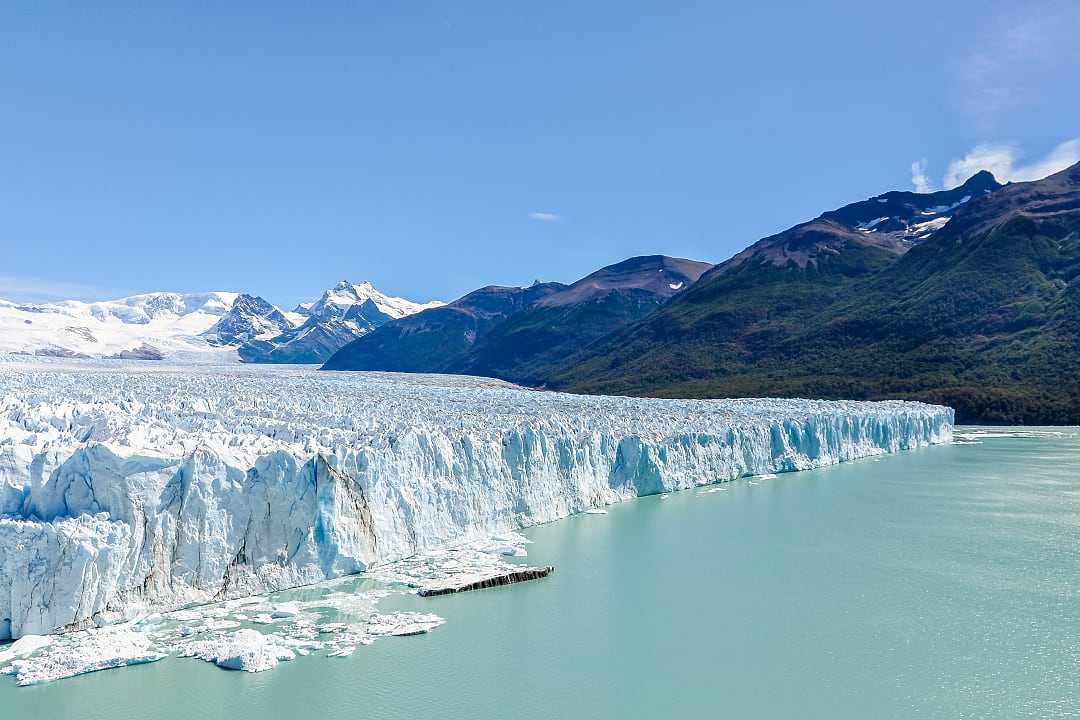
(128, 487)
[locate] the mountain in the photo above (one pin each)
(861, 237)
(199, 327)
(509, 332)
(981, 313)
(436, 339)
(344, 313)
(249, 317)
(148, 326)
(341, 299)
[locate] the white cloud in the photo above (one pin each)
(1001, 160)
(998, 159)
(918, 177)
(545, 216)
(25, 289)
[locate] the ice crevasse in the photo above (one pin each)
(126, 486)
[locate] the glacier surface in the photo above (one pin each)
(126, 487)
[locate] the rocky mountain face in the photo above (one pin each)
(864, 236)
(509, 332)
(250, 317)
(344, 313)
(980, 314)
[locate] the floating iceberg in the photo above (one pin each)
(245, 650)
(126, 489)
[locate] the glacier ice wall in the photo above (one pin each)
(124, 486)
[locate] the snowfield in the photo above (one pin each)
(128, 486)
(152, 325)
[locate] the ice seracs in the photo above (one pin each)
(131, 488)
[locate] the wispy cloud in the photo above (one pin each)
(1001, 160)
(918, 177)
(1014, 58)
(26, 289)
(545, 217)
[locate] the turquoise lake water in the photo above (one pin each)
(940, 583)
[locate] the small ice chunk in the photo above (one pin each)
(245, 650)
(343, 652)
(285, 610)
(403, 623)
(596, 511)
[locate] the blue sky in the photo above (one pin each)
(434, 148)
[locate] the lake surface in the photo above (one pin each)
(937, 583)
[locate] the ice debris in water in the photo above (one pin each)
(26, 645)
(246, 650)
(84, 652)
(469, 564)
(403, 623)
(321, 619)
(128, 488)
(254, 634)
(976, 434)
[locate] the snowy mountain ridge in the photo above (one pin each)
(196, 327)
(165, 322)
(337, 300)
(344, 313)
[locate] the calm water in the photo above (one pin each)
(937, 584)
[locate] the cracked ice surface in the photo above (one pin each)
(128, 486)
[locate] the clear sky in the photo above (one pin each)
(434, 148)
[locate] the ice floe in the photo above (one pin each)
(83, 652)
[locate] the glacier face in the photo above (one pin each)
(127, 486)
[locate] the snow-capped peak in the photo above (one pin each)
(345, 294)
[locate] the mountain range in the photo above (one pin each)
(967, 297)
(200, 327)
(982, 315)
(517, 333)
